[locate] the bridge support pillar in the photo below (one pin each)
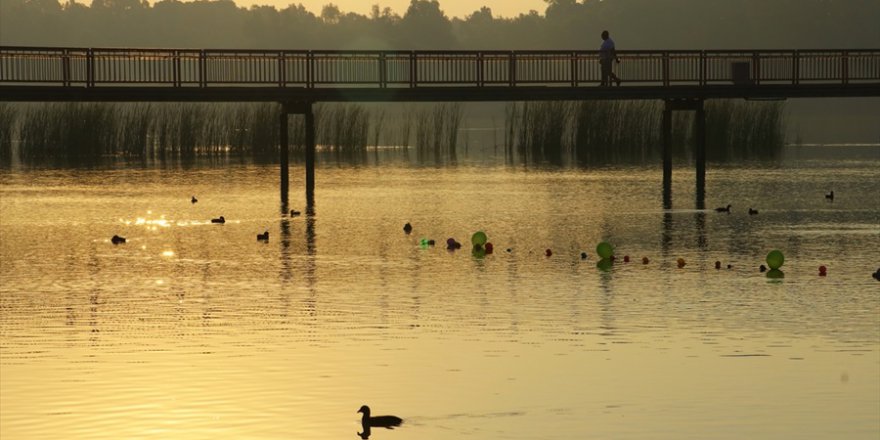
(667, 158)
(283, 155)
(305, 109)
(310, 156)
(700, 156)
(695, 105)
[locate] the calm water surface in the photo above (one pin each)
(196, 331)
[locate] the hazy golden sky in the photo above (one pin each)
(453, 8)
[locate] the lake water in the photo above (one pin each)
(192, 330)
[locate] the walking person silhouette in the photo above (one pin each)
(607, 55)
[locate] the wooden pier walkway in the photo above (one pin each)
(684, 79)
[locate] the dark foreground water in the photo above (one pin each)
(192, 330)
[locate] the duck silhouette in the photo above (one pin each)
(830, 196)
(194, 199)
(407, 228)
(722, 209)
(389, 422)
(263, 237)
(753, 211)
(220, 220)
(117, 239)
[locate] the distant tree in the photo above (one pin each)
(425, 26)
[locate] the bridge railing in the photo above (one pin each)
(96, 67)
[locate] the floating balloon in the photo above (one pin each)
(479, 238)
(489, 248)
(604, 250)
(775, 273)
(478, 251)
(775, 259)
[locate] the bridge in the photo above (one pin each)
(299, 78)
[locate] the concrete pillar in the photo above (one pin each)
(667, 157)
(283, 153)
(310, 154)
(700, 156)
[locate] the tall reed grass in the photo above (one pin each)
(588, 132)
(600, 132)
(8, 118)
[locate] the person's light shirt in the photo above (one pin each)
(607, 49)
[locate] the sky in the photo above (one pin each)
(452, 8)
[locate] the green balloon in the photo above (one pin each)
(775, 273)
(479, 238)
(478, 251)
(604, 250)
(604, 265)
(775, 259)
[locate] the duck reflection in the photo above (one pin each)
(368, 422)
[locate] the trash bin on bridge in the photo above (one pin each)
(740, 73)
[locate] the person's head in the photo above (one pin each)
(604, 35)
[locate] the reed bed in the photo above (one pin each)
(588, 132)
(8, 118)
(601, 132)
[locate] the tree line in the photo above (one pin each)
(564, 24)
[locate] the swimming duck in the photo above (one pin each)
(753, 211)
(263, 237)
(378, 421)
(294, 213)
(117, 239)
(876, 275)
(194, 199)
(830, 196)
(220, 220)
(727, 209)
(407, 228)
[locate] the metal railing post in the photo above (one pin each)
(383, 72)
(574, 70)
(90, 68)
(702, 81)
(795, 67)
(310, 70)
(479, 69)
(282, 77)
(844, 67)
(414, 66)
(203, 66)
(176, 55)
(756, 68)
(65, 68)
(511, 73)
(665, 69)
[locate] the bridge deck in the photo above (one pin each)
(119, 74)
